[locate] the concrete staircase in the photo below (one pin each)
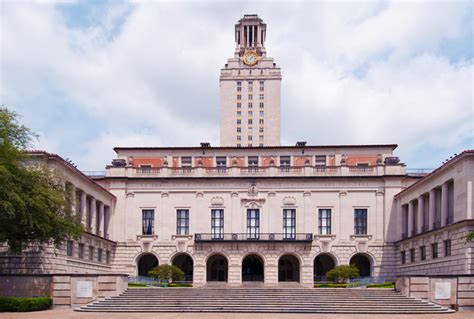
(253, 300)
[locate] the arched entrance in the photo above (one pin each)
(363, 263)
(252, 268)
(217, 268)
(322, 264)
(288, 268)
(184, 262)
(146, 263)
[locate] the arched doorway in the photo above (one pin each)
(252, 268)
(184, 262)
(288, 268)
(146, 263)
(363, 263)
(322, 264)
(217, 268)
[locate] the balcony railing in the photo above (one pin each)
(261, 237)
(256, 171)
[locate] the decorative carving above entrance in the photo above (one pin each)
(253, 190)
(289, 201)
(253, 202)
(217, 201)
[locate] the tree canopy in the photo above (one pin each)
(35, 206)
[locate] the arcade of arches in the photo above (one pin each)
(253, 269)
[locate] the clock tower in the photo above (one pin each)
(250, 85)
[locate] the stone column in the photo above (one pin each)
(444, 204)
(100, 215)
(410, 219)
(93, 215)
(421, 214)
(72, 193)
(106, 221)
(83, 208)
(379, 215)
(342, 231)
(432, 210)
(307, 225)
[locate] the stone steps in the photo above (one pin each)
(263, 300)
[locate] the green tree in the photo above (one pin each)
(343, 273)
(34, 202)
(166, 272)
(470, 236)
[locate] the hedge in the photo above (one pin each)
(15, 304)
(383, 285)
(137, 284)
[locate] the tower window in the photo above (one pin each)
(239, 105)
(239, 121)
(239, 130)
(261, 138)
(261, 113)
(250, 121)
(250, 113)
(250, 137)
(250, 96)
(260, 121)
(261, 105)
(260, 130)
(239, 113)
(239, 97)
(239, 138)
(261, 96)
(250, 105)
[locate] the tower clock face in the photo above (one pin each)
(250, 58)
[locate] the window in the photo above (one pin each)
(239, 130)
(250, 137)
(289, 223)
(285, 161)
(362, 164)
(262, 86)
(186, 161)
(250, 144)
(80, 251)
(239, 145)
(404, 257)
(320, 160)
(260, 121)
(360, 221)
(145, 169)
(447, 247)
(70, 248)
(253, 223)
(99, 254)
(239, 97)
(217, 223)
(260, 137)
(239, 138)
(260, 144)
(423, 252)
(91, 252)
(250, 105)
(239, 113)
(261, 113)
(250, 96)
(260, 130)
(107, 257)
(182, 224)
(412, 255)
(250, 113)
(253, 161)
(261, 98)
(239, 88)
(434, 250)
(324, 221)
(148, 221)
(239, 105)
(221, 161)
(239, 83)
(239, 121)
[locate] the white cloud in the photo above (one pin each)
(352, 73)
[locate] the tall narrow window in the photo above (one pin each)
(221, 161)
(107, 257)
(289, 223)
(320, 160)
(70, 248)
(80, 250)
(360, 221)
(217, 223)
(284, 160)
(91, 252)
(450, 218)
(253, 161)
(434, 250)
(412, 255)
(182, 224)
(148, 221)
(423, 252)
(447, 247)
(324, 221)
(253, 223)
(99, 255)
(404, 257)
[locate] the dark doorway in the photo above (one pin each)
(322, 264)
(185, 263)
(217, 268)
(288, 268)
(363, 263)
(252, 268)
(146, 263)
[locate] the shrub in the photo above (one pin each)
(384, 285)
(180, 285)
(343, 273)
(15, 304)
(166, 272)
(330, 285)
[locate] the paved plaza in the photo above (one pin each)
(70, 314)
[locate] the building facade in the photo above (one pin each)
(250, 90)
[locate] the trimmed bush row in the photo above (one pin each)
(15, 304)
(136, 284)
(384, 285)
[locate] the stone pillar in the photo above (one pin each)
(307, 276)
(100, 223)
(106, 221)
(432, 210)
(307, 222)
(345, 226)
(444, 204)
(421, 214)
(83, 208)
(93, 215)
(410, 219)
(232, 224)
(379, 215)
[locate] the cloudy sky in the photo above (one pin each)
(91, 75)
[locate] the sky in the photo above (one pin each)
(90, 75)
